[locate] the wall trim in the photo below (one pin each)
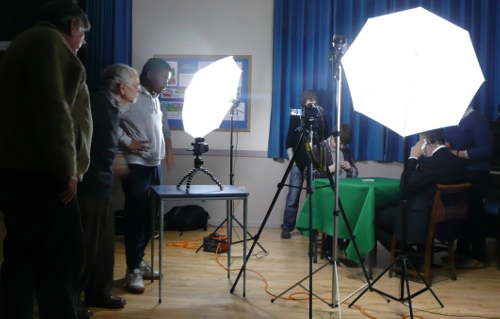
(224, 153)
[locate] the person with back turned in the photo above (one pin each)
(439, 166)
(45, 133)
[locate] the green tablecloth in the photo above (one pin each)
(359, 198)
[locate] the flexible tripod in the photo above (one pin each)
(402, 259)
(231, 182)
(198, 148)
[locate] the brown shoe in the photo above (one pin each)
(84, 313)
(108, 302)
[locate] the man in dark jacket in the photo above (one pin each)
(119, 87)
(438, 167)
(295, 145)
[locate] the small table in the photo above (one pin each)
(359, 197)
(200, 192)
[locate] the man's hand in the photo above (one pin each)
(170, 162)
(120, 166)
(331, 168)
(416, 150)
(69, 190)
(345, 165)
(138, 146)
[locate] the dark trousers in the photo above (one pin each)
(385, 221)
(136, 187)
(473, 241)
(98, 229)
(43, 249)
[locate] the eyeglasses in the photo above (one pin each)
(137, 86)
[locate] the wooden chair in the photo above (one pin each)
(449, 208)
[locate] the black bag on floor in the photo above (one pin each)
(184, 218)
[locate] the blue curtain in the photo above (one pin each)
(110, 39)
(303, 32)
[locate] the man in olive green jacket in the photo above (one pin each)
(45, 134)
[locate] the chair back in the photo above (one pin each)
(450, 202)
(445, 224)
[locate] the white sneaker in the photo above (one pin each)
(147, 272)
(135, 281)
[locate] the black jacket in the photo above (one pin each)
(441, 168)
(99, 179)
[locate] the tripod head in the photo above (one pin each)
(311, 113)
(198, 146)
(339, 48)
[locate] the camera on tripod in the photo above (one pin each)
(310, 113)
(198, 146)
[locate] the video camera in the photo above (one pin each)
(310, 113)
(198, 146)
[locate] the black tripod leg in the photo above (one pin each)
(188, 174)
(351, 236)
(427, 286)
(218, 227)
(266, 217)
(248, 234)
(370, 285)
(215, 180)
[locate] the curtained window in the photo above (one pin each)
(303, 32)
(110, 38)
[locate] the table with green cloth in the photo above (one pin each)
(359, 197)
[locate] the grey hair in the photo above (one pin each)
(434, 137)
(116, 74)
(60, 13)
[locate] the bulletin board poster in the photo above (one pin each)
(183, 69)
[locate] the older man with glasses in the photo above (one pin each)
(119, 87)
(45, 134)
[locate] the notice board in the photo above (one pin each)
(183, 69)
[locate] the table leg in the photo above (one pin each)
(153, 219)
(160, 258)
(229, 236)
(245, 227)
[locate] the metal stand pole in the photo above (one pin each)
(231, 182)
(270, 209)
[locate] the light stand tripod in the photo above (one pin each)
(334, 261)
(310, 190)
(339, 46)
(402, 258)
(266, 217)
(198, 148)
(231, 181)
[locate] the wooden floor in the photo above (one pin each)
(196, 286)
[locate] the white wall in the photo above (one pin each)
(224, 27)
(212, 27)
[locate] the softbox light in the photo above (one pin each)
(209, 97)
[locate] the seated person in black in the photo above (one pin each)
(438, 166)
